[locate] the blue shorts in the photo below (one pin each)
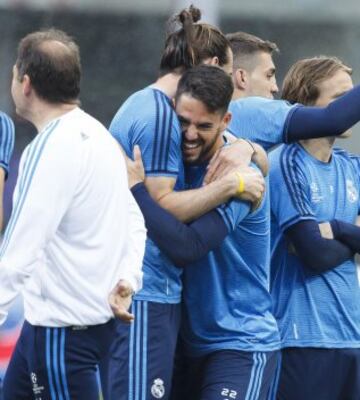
(57, 363)
(140, 363)
(319, 374)
(227, 375)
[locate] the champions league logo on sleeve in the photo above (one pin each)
(316, 196)
(158, 389)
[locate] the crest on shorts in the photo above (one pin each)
(33, 378)
(158, 389)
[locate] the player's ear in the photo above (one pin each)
(211, 61)
(26, 85)
(240, 79)
(226, 120)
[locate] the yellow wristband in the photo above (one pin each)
(241, 187)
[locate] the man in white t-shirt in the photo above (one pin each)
(75, 233)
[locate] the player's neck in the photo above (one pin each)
(239, 94)
(219, 143)
(43, 113)
(321, 149)
(168, 84)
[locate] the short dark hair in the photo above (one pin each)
(244, 45)
(208, 84)
(301, 83)
(193, 43)
(51, 59)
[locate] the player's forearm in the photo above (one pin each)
(333, 120)
(191, 204)
(182, 243)
(260, 159)
(347, 233)
(315, 252)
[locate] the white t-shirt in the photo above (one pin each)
(75, 229)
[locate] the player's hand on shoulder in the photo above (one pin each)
(260, 158)
(250, 185)
(120, 299)
(230, 157)
(135, 168)
(7, 139)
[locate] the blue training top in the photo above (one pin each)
(313, 310)
(148, 119)
(261, 120)
(226, 297)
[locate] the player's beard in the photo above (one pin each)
(206, 150)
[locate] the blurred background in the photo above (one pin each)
(121, 42)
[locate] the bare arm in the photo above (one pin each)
(326, 231)
(240, 153)
(191, 204)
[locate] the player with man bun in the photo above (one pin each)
(143, 354)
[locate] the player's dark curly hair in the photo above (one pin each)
(51, 59)
(208, 84)
(193, 43)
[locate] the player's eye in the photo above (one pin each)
(270, 74)
(184, 123)
(205, 127)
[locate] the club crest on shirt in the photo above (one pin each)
(158, 389)
(352, 193)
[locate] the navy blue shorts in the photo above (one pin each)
(140, 363)
(319, 374)
(57, 363)
(227, 375)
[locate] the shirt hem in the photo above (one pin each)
(156, 299)
(263, 348)
(317, 344)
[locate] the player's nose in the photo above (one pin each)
(191, 133)
(274, 88)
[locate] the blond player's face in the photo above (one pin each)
(332, 88)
